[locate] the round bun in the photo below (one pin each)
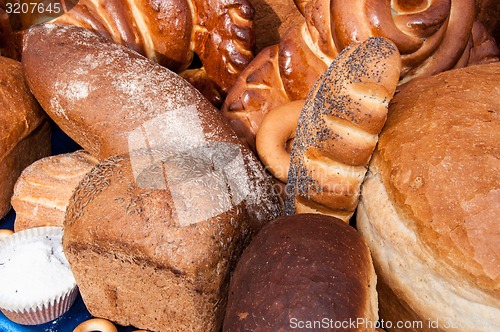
(43, 189)
(430, 204)
(301, 270)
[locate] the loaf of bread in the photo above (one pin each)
(43, 189)
(304, 272)
(24, 129)
(152, 232)
(338, 129)
(430, 204)
(97, 108)
(431, 36)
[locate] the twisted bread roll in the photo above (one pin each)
(432, 36)
(338, 129)
(170, 32)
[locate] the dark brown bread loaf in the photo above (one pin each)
(24, 129)
(303, 268)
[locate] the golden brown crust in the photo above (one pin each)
(223, 38)
(275, 136)
(22, 122)
(439, 159)
(293, 58)
(258, 88)
(338, 128)
(170, 32)
(416, 285)
(44, 188)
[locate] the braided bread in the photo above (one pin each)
(432, 36)
(172, 32)
(338, 129)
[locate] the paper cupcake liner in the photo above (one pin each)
(37, 312)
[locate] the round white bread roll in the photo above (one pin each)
(430, 204)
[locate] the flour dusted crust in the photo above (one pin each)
(338, 129)
(43, 190)
(24, 129)
(437, 164)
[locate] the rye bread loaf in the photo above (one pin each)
(153, 231)
(306, 271)
(24, 129)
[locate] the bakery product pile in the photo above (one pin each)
(349, 181)
(25, 129)
(159, 223)
(432, 36)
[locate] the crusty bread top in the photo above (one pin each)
(190, 226)
(20, 113)
(99, 92)
(44, 188)
(439, 152)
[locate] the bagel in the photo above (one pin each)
(273, 140)
(96, 324)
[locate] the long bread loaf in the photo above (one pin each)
(338, 129)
